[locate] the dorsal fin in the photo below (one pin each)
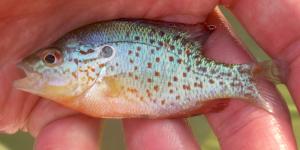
(194, 32)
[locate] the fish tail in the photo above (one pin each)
(275, 72)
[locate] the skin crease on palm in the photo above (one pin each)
(29, 25)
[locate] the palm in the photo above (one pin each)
(28, 27)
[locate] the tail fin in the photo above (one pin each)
(274, 70)
(267, 96)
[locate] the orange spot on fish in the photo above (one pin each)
(74, 74)
(156, 88)
(149, 65)
(86, 52)
(157, 73)
(101, 65)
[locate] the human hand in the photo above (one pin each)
(29, 25)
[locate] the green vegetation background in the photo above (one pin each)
(112, 135)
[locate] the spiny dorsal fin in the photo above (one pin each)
(194, 32)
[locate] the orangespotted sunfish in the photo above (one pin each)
(139, 68)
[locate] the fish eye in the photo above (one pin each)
(52, 57)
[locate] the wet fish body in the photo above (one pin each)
(137, 68)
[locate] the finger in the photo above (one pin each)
(158, 134)
(15, 106)
(40, 24)
(75, 132)
(45, 112)
(241, 124)
(275, 26)
(29, 25)
(273, 23)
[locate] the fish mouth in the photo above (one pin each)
(31, 82)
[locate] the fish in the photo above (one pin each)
(135, 68)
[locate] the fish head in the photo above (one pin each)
(50, 73)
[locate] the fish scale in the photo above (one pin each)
(140, 68)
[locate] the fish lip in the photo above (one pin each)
(27, 70)
(30, 81)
